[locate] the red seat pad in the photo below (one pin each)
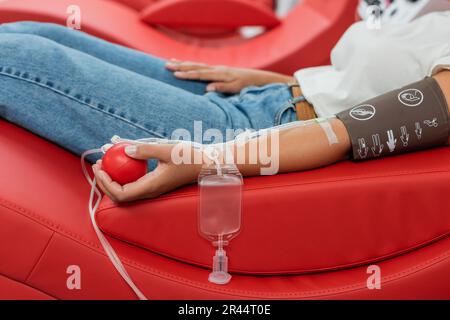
(45, 228)
(335, 217)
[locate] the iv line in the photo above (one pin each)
(111, 253)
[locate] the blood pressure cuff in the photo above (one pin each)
(412, 118)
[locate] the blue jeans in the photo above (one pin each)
(78, 91)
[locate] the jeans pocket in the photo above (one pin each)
(258, 90)
(286, 114)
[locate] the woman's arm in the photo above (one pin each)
(298, 148)
(307, 147)
(225, 79)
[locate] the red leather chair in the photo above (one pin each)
(304, 38)
(305, 235)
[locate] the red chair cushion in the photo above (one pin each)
(209, 14)
(335, 217)
(138, 5)
(45, 227)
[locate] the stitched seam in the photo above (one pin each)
(183, 281)
(45, 222)
(40, 257)
(384, 280)
(34, 288)
(93, 107)
(193, 194)
(351, 179)
(280, 113)
(295, 272)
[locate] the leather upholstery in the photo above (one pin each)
(214, 14)
(342, 217)
(291, 45)
(44, 228)
(138, 5)
(301, 222)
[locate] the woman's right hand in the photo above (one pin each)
(222, 78)
(166, 177)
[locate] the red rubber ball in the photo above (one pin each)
(122, 168)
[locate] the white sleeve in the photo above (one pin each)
(441, 64)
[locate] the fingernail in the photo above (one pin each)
(210, 88)
(130, 150)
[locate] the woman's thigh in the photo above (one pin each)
(80, 102)
(123, 57)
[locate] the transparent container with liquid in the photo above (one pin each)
(219, 214)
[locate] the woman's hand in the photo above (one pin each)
(224, 79)
(167, 176)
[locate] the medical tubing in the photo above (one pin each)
(115, 260)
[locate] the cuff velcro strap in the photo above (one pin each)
(411, 118)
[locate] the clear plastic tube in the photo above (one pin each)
(94, 202)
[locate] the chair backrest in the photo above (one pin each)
(303, 39)
(138, 5)
(329, 9)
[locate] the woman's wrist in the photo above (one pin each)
(244, 155)
(272, 77)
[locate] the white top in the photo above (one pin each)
(367, 63)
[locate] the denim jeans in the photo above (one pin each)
(78, 91)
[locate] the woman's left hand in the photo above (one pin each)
(222, 78)
(166, 177)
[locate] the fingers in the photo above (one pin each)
(176, 65)
(167, 176)
(97, 168)
(150, 151)
(211, 74)
(225, 87)
(146, 187)
(113, 190)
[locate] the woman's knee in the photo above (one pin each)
(31, 27)
(19, 49)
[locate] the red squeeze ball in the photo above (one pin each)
(122, 168)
